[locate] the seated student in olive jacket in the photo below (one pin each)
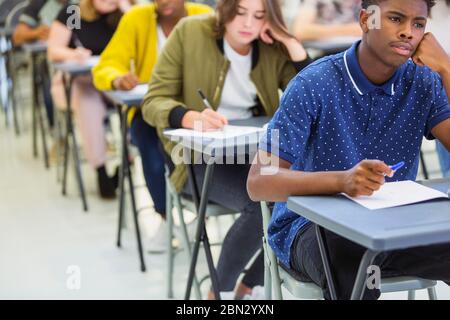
(240, 57)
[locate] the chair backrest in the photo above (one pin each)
(6, 6)
(12, 19)
(278, 275)
(270, 260)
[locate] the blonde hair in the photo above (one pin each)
(87, 9)
(89, 13)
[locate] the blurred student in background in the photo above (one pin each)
(34, 25)
(127, 61)
(99, 19)
(325, 19)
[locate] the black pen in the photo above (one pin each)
(205, 101)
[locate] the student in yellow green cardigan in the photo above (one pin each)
(127, 61)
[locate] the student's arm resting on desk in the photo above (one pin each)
(28, 28)
(58, 45)
(306, 28)
(430, 53)
(24, 33)
(276, 183)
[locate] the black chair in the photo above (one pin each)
(6, 6)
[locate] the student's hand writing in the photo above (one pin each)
(81, 54)
(126, 82)
(431, 54)
(206, 120)
(365, 178)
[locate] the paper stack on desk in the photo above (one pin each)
(92, 61)
(227, 132)
(138, 91)
(393, 194)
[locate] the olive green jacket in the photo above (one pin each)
(192, 59)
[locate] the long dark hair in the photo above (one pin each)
(226, 11)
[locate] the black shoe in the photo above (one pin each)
(106, 186)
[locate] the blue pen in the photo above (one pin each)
(397, 166)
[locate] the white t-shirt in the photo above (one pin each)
(439, 24)
(239, 92)
(161, 38)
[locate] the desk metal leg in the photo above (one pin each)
(123, 129)
(40, 117)
(37, 112)
(135, 215)
(324, 253)
(11, 76)
(66, 150)
(360, 282)
(3, 76)
(126, 173)
(34, 106)
(70, 132)
(76, 158)
(201, 234)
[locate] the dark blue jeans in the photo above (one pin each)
(146, 139)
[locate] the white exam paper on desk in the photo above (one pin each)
(227, 132)
(92, 61)
(393, 194)
(89, 62)
(138, 91)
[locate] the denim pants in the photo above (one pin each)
(146, 139)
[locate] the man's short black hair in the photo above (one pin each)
(367, 3)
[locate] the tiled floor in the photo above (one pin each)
(46, 239)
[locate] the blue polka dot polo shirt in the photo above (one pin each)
(332, 117)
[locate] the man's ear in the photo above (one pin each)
(363, 20)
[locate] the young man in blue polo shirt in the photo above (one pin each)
(342, 121)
